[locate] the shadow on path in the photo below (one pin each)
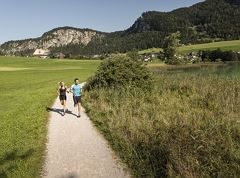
(70, 112)
(69, 176)
(60, 111)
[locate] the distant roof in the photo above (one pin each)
(41, 52)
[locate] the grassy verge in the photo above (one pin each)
(188, 126)
(25, 94)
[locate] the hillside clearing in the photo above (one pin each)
(223, 45)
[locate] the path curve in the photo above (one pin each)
(75, 149)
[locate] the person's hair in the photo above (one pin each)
(61, 82)
(76, 79)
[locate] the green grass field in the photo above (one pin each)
(223, 45)
(150, 50)
(187, 126)
(28, 86)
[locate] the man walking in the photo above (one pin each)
(76, 90)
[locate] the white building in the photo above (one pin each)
(42, 53)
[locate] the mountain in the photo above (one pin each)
(202, 22)
(211, 20)
(55, 38)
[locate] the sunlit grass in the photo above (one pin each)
(24, 96)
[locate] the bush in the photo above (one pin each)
(133, 55)
(120, 71)
(176, 60)
(215, 55)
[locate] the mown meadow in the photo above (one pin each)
(188, 125)
(27, 87)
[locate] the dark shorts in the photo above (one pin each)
(76, 99)
(62, 97)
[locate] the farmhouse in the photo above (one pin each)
(42, 53)
(155, 54)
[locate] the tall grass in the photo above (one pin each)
(188, 126)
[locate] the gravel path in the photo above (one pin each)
(75, 149)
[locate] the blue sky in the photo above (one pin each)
(22, 19)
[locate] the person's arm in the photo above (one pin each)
(67, 89)
(71, 89)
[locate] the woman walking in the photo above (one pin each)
(62, 89)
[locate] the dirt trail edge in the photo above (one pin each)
(75, 149)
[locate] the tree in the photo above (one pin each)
(170, 45)
(133, 55)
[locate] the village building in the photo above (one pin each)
(42, 53)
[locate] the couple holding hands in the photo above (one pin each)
(75, 89)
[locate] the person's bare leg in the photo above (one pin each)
(79, 109)
(64, 106)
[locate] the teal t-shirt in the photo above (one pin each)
(76, 90)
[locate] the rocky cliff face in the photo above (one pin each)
(54, 38)
(139, 26)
